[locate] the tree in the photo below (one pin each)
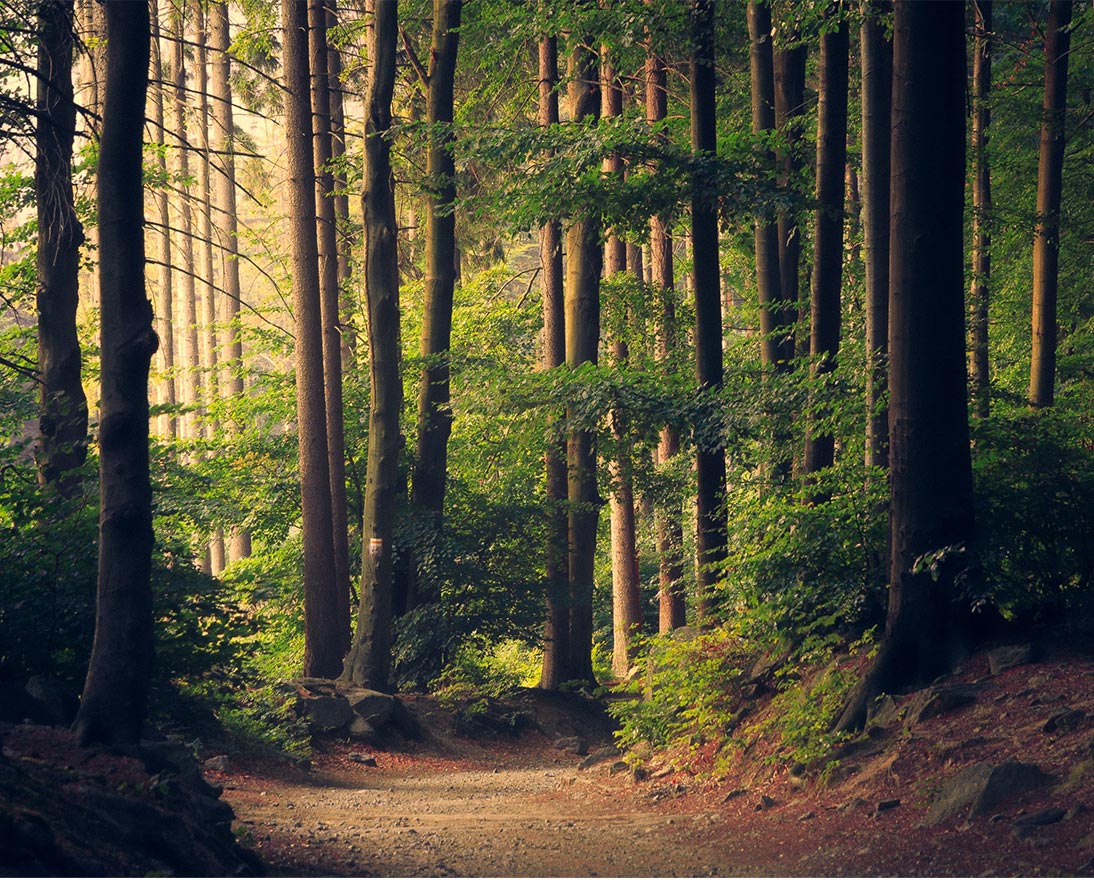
(434, 410)
(931, 512)
(824, 325)
(112, 706)
(789, 62)
(327, 243)
(877, 81)
(369, 661)
(556, 637)
(711, 534)
(62, 439)
(325, 630)
(1046, 236)
(979, 292)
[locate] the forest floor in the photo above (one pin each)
(454, 805)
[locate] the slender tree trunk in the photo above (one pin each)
(224, 191)
(877, 87)
(369, 660)
(434, 412)
(712, 534)
(789, 107)
(92, 77)
(112, 706)
(168, 424)
(187, 326)
(324, 626)
(556, 637)
(346, 310)
(776, 347)
(62, 440)
(930, 473)
(327, 238)
(1046, 236)
(981, 209)
(584, 259)
(824, 331)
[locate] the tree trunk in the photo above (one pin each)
(824, 316)
(712, 533)
(112, 706)
(434, 411)
(327, 238)
(556, 637)
(930, 473)
(62, 441)
(223, 143)
(877, 87)
(168, 424)
(584, 259)
(187, 326)
(369, 660)
(981, 209)
(789, 107)
(1046, 236)
(324, 626)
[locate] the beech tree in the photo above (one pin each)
(112, 706)
(931, 507)
(979, 292)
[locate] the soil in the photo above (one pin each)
(455, 805)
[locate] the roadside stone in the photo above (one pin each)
(361, 731)
(936, 701)
(375, 707)
(886, 805)
(599, 755)
(575, 745)
(1064, 721)
(1027, 824)
(766, 802)
(733, 795)
(362, 758)
(218, 764)
(327, 714)
(981, 787)
(618, 767)
(1010, 656)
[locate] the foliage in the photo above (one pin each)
(482, 668)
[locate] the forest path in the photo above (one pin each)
(519, 812)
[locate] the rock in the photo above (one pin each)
(57, 698)
(375, 707)
(982, 786)
(1010, 656)
(884, 711)
(639, 773)
(935, 701)
(886, 805)
(618, 767)
(598, 756)
(317, 686)
(733, 795)
(575, 745)
(362, 731)
(855, 803)
(1049, 816)
(1064, 721)
(805, 817)
(362, 758)
(766, 802)
(219, 764)
(327, 714)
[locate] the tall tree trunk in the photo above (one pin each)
(584, 259)
(981, 209)
(209, 355)
(112, 706)
(92, 77)
(556, 637)
(324, 627)
(434, 412)
(877, 87)
(667, 521)
(1046, 236)
(789, 107)
(62, 440)
(712, 532)
(776, 348)
(626, 594)
(824, 332)
(187, 326)
(930, 473)
(369, 660)
(327, 238)
(224, 191)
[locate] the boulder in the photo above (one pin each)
(598, 756)
(326, 714)
(575, 745)
(218, 764)
(936, 701)
(982, 786)
(1064, 721)
(1010, 656)
(362, 731)
(375, 707)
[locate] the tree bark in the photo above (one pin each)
(434, 411)
(324, 627)
(712, 532)
(327, 239)
(789, 107)
(556, 637)
(931, 508)
(981, 209)
(369, 660)
(584, 259)
(1046, 236)
(824, 333)
(62, 423)
(112, 706)
(877, 87)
